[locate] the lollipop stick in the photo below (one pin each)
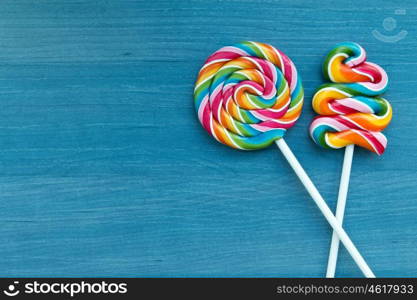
(325, 210)
(340, 209)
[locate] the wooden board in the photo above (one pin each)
(105, 170)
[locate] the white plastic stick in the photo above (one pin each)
(325, 210)
(340, 209)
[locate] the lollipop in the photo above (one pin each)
(351, 114)
(246, 97)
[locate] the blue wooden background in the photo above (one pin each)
(105, 170)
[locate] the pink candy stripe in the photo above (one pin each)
(346, 122)
(268, 69)
(294, 78)
(202, 107)
(222, 55)
(380, 77)
(228, 93)
(373, 140)
(358, 60)
(256, 87)
(341, 109)
(350, 105)
(290, 71)
(206, 118)
(216, 101)
(269, 89)
(328, 121)
(265, 114)
(381, 138)
(269, 124)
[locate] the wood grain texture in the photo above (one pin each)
(105, 170)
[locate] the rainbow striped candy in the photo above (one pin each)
(351, 112)
(247, 95)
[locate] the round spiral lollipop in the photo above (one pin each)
(350, 111)
(248, 95)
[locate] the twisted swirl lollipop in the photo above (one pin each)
(350, 111)
(248, 95)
